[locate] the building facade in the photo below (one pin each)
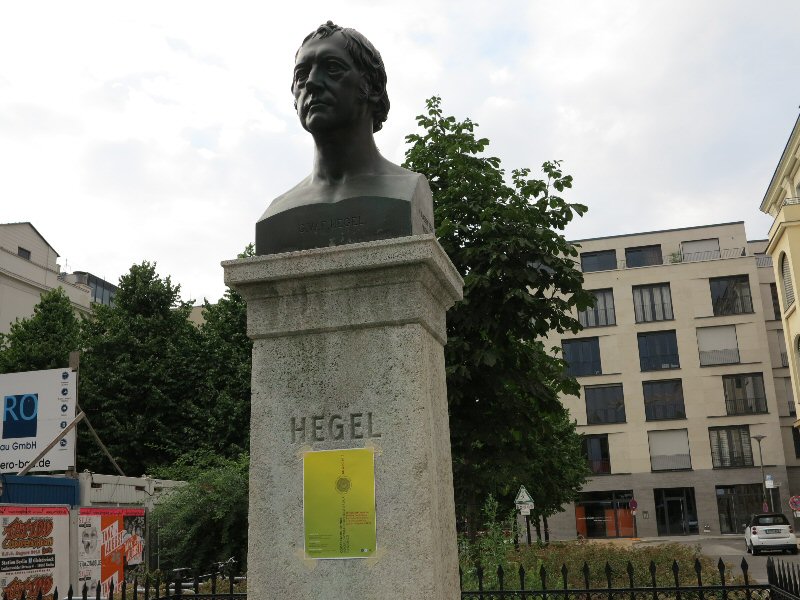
(782, 201)
(684, 384)
(29, 267)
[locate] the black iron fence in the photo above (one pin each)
(783, 584)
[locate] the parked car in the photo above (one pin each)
(769, 531)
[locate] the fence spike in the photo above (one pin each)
(111, 590)
(653, 579)
(97, 591)
(135, 587)
(158, 586)
(521, 577)
(55, 593)
(123, 592)
(585, 576)
(479, 574)
(196, 584)
(795, 577)
(770, 571)
(231, 582)
(85, 592)
(39, 595)
(178, 585)
(460, 578)
(721, 569)
(22, 595)
(214, 583)
(500, 574)
(69, 592)
(543, 577)
(608, 574)
(146, 587)
(564, 573)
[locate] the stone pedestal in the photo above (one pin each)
(357, 332)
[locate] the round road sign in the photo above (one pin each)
(794, 502)
(633, 504)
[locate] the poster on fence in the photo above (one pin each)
(111, 544)
(34, 550)
(339, 503)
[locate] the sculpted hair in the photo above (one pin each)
(368, 60)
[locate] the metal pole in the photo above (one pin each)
(758, 439)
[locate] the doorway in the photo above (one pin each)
(676, 511)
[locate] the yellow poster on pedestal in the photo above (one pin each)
(339, 503)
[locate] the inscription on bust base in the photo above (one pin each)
(318, 428)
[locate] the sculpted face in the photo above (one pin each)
(327, 86)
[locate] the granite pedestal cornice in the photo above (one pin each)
(387, 282)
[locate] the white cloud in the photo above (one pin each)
(161, 131)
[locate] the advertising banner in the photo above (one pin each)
(34, 551)
(36, 406)
(111, 544)
(339, 503)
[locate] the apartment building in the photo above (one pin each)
(685, 390)
(29, 267)
(782, 201)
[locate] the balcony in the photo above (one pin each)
(746, 406)
(664, 410)
(582, 368)
(597, 317)
(737, 305)
(674, 258)
(659, 362)
(784, 359)
(670, 462)
(728, 356)
(792, 408)
(763, 261)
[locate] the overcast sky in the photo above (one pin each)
(162, 130)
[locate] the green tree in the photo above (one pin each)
(520, 284)
(227, 357)
(139, 383)
(205, 521)
(44, 340)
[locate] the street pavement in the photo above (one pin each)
(730, 548)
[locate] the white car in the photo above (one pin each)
(769, 531)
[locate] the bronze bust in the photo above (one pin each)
(353, 194)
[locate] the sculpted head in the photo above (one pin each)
(366, 60)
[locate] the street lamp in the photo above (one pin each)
(758, 439)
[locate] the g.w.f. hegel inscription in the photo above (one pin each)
(318, 428)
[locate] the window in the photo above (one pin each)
(643, 256)
(604, 260)
(700, 250)
(731, 295)
(744, 394)
(717, 345)
(796, 440)
(730, 446)
(663, 400)
(582, 356)
(786, 281)
(604, 404)
(595, 448)
(776, 305)
(22, 252)
(652, 303)
(669, 450)
(603, 311)
(658, 350)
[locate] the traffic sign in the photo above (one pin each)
(523, 497)
(527, 506)
(794, 503)
(769, 482)
(633, 504)
(525, 512)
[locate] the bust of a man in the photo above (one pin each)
(353, 194)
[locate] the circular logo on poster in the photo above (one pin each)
(343, 484)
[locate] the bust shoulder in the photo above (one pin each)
(393, 182)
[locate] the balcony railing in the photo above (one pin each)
(674, 258)
(792, 408)
(670, 462)
(728, 356)
(584, 367)
(784, 359)
(741, 304)
(746, 406)
(600, 466)
(763, 261)
(660, 362)
(664, 410)
(597, 317)
(789, 201)
(653, 311)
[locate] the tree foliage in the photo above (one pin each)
(44, 340)
(140, 382)
(520, 284)
(205, 521)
